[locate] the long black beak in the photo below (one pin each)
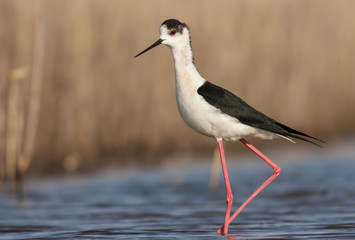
(157, 43)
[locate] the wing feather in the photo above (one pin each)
(230, 104)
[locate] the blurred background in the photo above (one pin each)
(73, 98)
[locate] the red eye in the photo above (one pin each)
(172, 32)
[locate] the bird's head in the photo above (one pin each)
(173, 33)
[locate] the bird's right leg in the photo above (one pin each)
(229, 199)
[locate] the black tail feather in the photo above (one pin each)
(306, 140)
(294, 133)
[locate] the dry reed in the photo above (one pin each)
(291, 59)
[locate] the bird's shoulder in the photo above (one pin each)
(226, 101)
(234, 106)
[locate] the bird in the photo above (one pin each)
(217, 113)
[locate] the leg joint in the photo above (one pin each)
(229, 198)
(277, 170)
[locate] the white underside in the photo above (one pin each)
(210, 121)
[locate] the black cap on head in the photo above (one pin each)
(175, 24)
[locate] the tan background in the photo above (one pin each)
(293, 60)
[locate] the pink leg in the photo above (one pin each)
(277, 171)
(229, 198)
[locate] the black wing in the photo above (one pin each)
(234, 106)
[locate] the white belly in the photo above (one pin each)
(210, 121)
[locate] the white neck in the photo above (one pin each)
(186, 75)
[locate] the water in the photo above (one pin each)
(312, 199)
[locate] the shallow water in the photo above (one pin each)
(312, 199)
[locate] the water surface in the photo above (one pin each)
(313, 199)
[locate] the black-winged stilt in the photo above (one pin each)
(216, 112)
